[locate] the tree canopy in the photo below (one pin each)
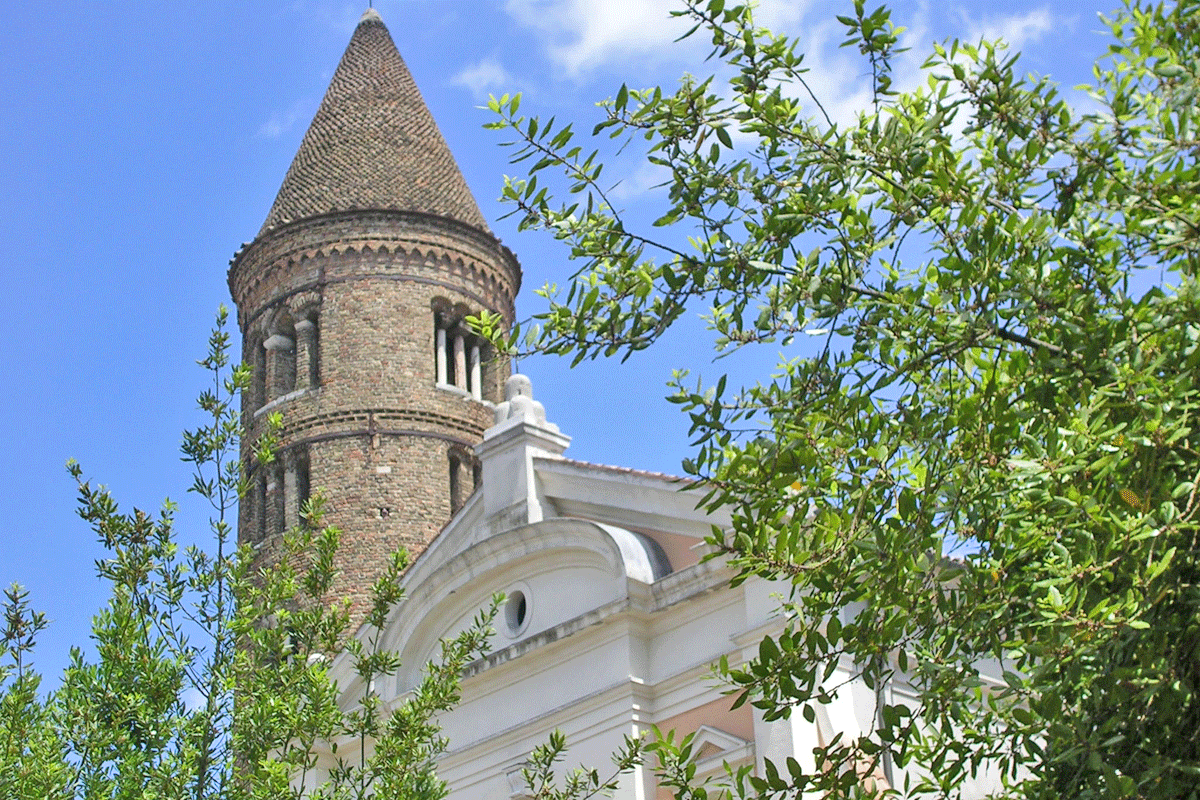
(975, 468)
(209, 676)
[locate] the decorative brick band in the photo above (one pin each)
(374, 421)
(366, 432)
(476, 277)
(280, 241)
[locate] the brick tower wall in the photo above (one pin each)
(339, 315)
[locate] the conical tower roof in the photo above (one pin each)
(373, 144)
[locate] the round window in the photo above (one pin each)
(516, 612)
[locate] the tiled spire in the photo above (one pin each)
(373, 144)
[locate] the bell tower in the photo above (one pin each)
(351, 302)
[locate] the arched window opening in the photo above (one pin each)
(441, 365)
(280, 349)
(303, 483)
(295, 485)
(305, 311)
(464, 476)
(458, 354)
(274, 507)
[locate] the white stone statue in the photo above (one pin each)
(519, 403)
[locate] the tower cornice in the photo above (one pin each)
(309, 253)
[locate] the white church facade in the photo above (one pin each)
(611, 625)
(351, 301)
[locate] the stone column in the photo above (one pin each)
(460, 362)
(439, 351)
(306, 354)
(281, 365)
(476, 373)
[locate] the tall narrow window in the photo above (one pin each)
(456, 488)
(276, 511)
(305, 312)
(259, 507)
(295, 484)
(303, 479)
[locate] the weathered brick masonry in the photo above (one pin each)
(350, 303)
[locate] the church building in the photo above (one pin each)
(351, 301)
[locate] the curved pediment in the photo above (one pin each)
(553, 571)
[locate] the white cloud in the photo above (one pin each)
(841, 79)
(489, 74)
(781, 15)
(1017, 31)
(582, 35)
(280, 122)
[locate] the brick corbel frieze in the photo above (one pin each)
(294, 259)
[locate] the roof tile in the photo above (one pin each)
(373, 144)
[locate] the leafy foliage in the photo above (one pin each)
(212, 674)
(32, 752)
(543, 782)
(979, 446)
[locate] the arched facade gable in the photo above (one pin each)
(567, 567)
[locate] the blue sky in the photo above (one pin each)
(141, 143)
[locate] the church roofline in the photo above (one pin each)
(681, 482)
